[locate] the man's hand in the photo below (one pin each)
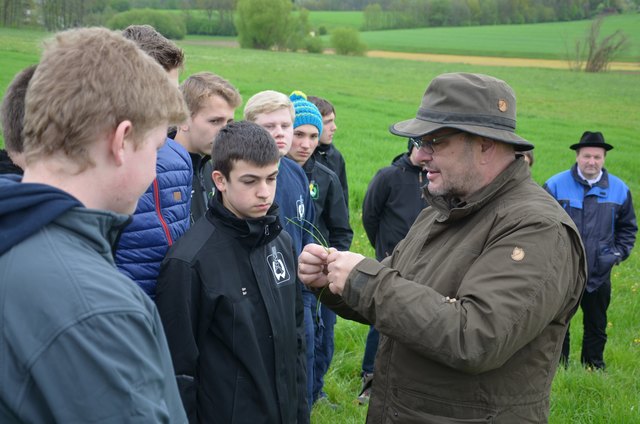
(340, 264)
(312, 266)
(318, 268)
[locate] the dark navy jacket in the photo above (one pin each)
(292, 196)
(161, 217)
(604, 216)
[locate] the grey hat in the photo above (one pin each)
(474, 103)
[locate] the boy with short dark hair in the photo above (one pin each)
(274, 112)
(228, 297)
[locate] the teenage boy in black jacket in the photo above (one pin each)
(228, 297)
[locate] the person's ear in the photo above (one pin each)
(488, 150)
(118, 141)
(486, 144)
(219, 180)
(184, 127)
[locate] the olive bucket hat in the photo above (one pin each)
(474, 103)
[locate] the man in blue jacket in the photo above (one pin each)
(80, 342)
(600, 204)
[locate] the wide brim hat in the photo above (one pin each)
(591, 139)
(474, 103)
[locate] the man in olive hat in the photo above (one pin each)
(600, 204)
(472, 306)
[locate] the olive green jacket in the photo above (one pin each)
(473, 306)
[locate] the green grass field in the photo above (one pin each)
(554, 108)
(540, 41)
(554, 40)
(332, 20)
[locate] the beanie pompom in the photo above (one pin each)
(297, 95)
(306, 112)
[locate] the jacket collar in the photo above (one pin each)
(602, 183)
(252, 232)
(517, 172)
(198, 161)
(323, 149)
(101, 229)
(309, 165)
(402, 161)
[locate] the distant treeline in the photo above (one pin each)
(60, 14)
(378, 14)
(391, 14)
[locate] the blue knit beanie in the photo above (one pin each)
(306, 112)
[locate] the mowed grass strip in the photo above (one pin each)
(554, 108)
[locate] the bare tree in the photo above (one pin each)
(599, 52)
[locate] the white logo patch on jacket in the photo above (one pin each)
(300, 208)
(278, 267)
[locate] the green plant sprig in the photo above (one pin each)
(321, 241)
(319, 237)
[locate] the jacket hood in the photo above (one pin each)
(251, 231)
(27, 207)
(6, 164)
(402, 161)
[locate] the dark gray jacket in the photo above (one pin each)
(80, 342)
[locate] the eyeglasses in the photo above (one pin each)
(429, 145)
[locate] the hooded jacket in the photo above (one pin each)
(80, 342)
(472, 307)
(604, 216)
(392, 202)
(332, 214)
(161, 218)
(233, 315)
